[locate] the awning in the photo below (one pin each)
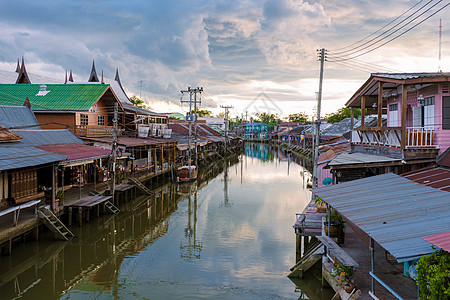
(78, 153)
(394, 211)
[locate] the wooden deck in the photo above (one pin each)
(309, 224)
(88, 201)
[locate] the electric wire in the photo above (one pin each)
(368, 36)
(392, 39)
(391, 28)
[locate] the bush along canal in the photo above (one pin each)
(227, 235)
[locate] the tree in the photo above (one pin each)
(139, 103)
(202, 112)
(270, 119)
(300, 117)
(341, 114)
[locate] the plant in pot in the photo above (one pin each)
(321, 205)
(336, 226)
(344, 275)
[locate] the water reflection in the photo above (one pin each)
(227, 235)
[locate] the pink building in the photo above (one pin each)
(417, 108)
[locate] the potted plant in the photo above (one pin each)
(321, 205)
(336, 226)
(344, 275)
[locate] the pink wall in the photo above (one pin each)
(323, 173)
(441, 137)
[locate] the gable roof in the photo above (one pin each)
(14, 156)
(78, 97)
(8, 136)
(17, 117)
(43, 137)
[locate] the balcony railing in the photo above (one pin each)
(92, 130)
(416, 137)
(388, 137)
(420, 137)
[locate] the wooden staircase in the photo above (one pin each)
(309, 259)
(111, 207)
(141, 186)
(54, 224)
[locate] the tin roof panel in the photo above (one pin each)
(394, 211)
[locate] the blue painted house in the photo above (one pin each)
(256, 131)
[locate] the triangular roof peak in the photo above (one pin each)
(117, 78)
(27, 103)
(70, 76)
(93, 77)
(23, 76)
(18, 66)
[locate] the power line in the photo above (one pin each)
(394, 38)
(388, 30)
(363, 39)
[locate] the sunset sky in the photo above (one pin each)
(256, 55)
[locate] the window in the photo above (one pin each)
(101, 120)
(393, 115)
(446, 112)
(84, 119)
(428, 112)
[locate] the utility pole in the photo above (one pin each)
(226, 107)
(319, 104)
(114, 153)
(192, 118)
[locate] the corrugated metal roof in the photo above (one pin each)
(438, 178)
(77, 151)
(404, 76)
(8, 136)
(394, 211)
(17, 117)
(59, 97)
(444, 159)
(441, 240)
(47, 137)
(14, 157)
(129, 141)
(360, 158)
(142, 111)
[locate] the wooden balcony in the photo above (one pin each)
(416, 137)
(92, 130)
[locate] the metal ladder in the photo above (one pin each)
(111, 207)
(54, 224)
(140, 186)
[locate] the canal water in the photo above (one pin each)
(227, 236)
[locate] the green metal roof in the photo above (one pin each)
(56, 97)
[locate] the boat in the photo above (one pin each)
(183, 173)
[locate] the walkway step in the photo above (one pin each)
(54, 224)
(111, 207)
(141, 186)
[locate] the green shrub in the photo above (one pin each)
(433, 276)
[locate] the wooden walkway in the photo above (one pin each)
(309, 224)
(88, 201)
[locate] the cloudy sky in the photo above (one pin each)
(257, 55)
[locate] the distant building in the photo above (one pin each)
(256, 131)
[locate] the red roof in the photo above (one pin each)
(202, 129)
(8, 136)
(77, 151)
(441, 240)
(434, 177)
(130, 141)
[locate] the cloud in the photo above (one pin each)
(234, 49)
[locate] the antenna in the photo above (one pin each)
(440, 43)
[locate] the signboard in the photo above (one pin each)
(189, 118)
